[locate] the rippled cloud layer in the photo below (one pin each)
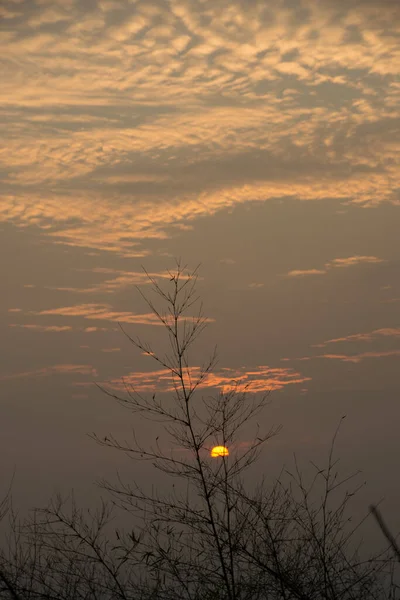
(166, 112)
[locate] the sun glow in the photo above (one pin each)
(219, 451)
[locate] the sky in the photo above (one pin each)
(258, 138)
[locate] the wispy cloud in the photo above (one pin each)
(59, 328)
(260, 379)
(256, 285)
(121, 280)
(363, 337)
(101, 312)
(104, 312)
(305, 272)
(356, 358)
(111, 349)
(35, 327)
(61, 369)
(353, 358)
(349, 261)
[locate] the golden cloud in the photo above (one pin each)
(363, 337)
(349, 261)
(353, 260)
(303, 272)
(121, 280)
(94, 105)
(260, 379)
(104, 312)
(354, 358)
(101, 312)
(34, 327)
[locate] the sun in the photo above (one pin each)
(219, 451)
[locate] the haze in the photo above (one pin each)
(260, 139)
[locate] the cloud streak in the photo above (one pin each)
(357, 358)
(261, 379)
(352, 358)
(35, 327)
(100, 312)
(104, 312)
(349, 261)
(363, 337)
(60, 369)
(305, 272)
(120, 281)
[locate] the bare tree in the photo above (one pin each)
(211, 534)
(217, 538)
(192, 539)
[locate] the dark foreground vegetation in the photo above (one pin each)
(211, 535)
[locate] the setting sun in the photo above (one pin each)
(219, 451)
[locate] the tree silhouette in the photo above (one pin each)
(212, 535)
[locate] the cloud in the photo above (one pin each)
(60, 369)
(356, 358)
(353, 358)
(34, 327)
(304, 272)
(353, 260)
(363, 337)
(349, 261)
(104, 312)
(260, 379)
(123, 111)
(101, 312)
(122, 280)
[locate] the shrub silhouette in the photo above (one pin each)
(214, 536)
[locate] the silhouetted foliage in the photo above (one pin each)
(214, 536)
